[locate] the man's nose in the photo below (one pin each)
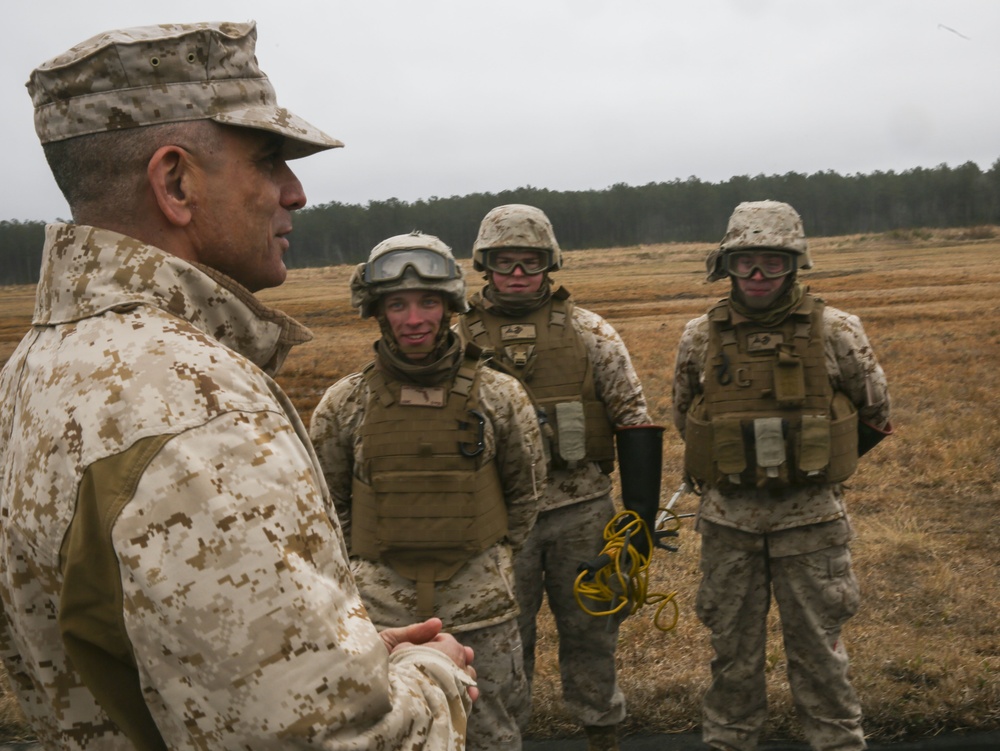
(293, 195)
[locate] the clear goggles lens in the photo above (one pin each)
(530, 262)
(771, 264)
(426, 263)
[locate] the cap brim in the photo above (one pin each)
(302, 139)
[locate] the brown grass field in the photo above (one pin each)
(925, 647)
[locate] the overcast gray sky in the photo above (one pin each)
(450, 97)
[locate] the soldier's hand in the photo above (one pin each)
(429, 634)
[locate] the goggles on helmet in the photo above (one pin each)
(425, 262)
(504, 261)
(772, 264)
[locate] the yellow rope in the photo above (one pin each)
(623, 582)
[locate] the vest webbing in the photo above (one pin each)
(768, 416)
(544, 351)
(432, 503)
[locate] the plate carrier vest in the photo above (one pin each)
(768, 416)
(544, 351)
(433, 503)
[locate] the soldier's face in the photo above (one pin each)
(414, 317)
(758, 291)
(517, 282)
(244, 214)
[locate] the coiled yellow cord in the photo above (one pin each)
(623, 582)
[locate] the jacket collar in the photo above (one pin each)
(87, 271)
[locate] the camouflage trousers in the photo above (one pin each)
(561, 540)
(816, 593)
(503, 687)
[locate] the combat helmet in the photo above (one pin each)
(516, 226)
(404, 262)
(761, 225)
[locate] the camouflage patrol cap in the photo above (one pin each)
(761, 224)
(152, 75)
(516, 226)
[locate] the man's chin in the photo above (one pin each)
(269, 281)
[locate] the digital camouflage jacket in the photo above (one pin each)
(169, 559)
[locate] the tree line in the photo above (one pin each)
(678, 211)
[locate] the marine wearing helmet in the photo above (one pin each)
(434, 462)
(516, 226)
(403, 265)
(765, 237)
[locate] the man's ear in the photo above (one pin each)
(171, 171)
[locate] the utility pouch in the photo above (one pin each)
(789, 379)
(814, 446)
(698, 446)
(769, 444)
(548, 435)
(571, 427)
(843, 439)
(729, 450)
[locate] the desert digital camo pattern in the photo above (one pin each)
(765, 224)
(761, 225)
(575, 508)
(817, 593)
(516, 226)
(618, 386)
(853, 370)
(168, 73)
(143, 394)
(478, 603)
(793, 543)
(482, 592)
(562, 539)
(494, 724)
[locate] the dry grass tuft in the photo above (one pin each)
(925, 648)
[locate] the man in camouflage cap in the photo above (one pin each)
(578, 370)
(776, 396)
(170, 573)
(435, 462)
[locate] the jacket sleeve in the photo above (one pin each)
(689, 367)
(333, 430)
(854, 369)
(241, 610)
(615, 380)
(519, 454)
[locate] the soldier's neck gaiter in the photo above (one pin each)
(773, 314)
(440, 368)
(517, 305)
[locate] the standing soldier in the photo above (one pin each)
(434, 462)
(776, 396)
(578, 371)
(170, 575)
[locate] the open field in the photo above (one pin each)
(925, 647)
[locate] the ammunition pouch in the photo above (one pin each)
(772, 451)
